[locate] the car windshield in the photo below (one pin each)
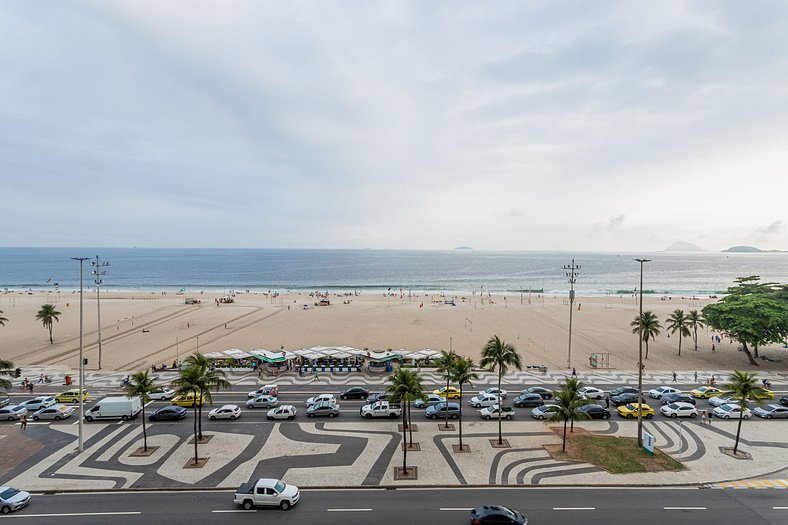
(9, 493)
(673, 406)
(279, 487)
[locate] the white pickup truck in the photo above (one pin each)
(381, 409)
(267, 492)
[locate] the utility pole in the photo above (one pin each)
(640, 356)
(571, 275)
(81, 359)
(98, 272)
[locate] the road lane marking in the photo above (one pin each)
(574, 508)
(684, 508)
(457, 508)
(67, 514)
(235, 510)
(348, 510)
(779, 508)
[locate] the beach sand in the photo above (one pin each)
(141, 329)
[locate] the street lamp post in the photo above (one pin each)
(640, 356)
(81, 358)
(571, 275)
(98, 272)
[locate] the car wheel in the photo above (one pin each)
(269, 418)
(649, 416)
(693, 415)
(392, 415)
(6, 509)
(364, 396)
(454, 416)
(342, 397)
(212, 418)
(433, 417)
(368, 416)
(487, 418)
(232, 418)
(248, 505)
(746, 417)
(290, 418)
(508, 418)
(35, 418)
(540, 417)
(88, 419)
(674, 416)
(630, 416)
(284, 505)
(606, 416)
(768, 416)
(331, 414)
(727, 417)
(125, 418)
(311, 415)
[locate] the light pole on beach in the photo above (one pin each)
(98, 272)
(81, 358)
(571, 275)
(640, 356)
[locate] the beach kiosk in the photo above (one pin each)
(274, 363)
(381, 362)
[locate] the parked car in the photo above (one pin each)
(4, 401)
(431, 399)
(321, 398)
(265, 390)
(526, 399)
(439, 410)
(324, 409)
(718, 401)
(624, 399)
(263, 401)
(542, 391)
(630, 410)
(168, 413)
(484, 400)
(705, 392)
(267, 492)
(497, 514)
(772, 411)
(71, 396)
(544, 411)
(623, 390)
(679, 409)
(595, 411)
(678, 398)
(495, 391)
(731, 411)
(507, 413)
(231, 412)
(38, 403)
(56, 412)
(449, 393)
(355, 392)
(590, 392)
(657, 393)
(282, 412)
(12, 499)
(162, 393)
(12, 412)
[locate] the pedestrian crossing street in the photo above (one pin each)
(753, 484)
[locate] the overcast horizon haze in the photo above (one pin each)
(506, 126)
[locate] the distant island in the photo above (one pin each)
(681, 246)
(463, 248)
(749, 249)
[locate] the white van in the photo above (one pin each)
(121, 407)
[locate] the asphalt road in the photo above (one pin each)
(643, 506)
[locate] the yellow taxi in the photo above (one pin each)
(706, 392)
(630, 411)
(71, 396)
(187, 400)
(765, 393)
(450, 393)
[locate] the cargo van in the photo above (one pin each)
(120, 407)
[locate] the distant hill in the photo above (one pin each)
(463, 248)
(748, 249)
(681, 246)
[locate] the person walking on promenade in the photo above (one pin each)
(711, 415)
(607, 401)
(23, 422)
(674, 376)
(703, 417)
(574, 372)
(696, 377)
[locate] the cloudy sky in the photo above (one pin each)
(498, 125)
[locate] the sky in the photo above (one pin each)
(528, 125)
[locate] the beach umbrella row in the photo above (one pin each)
(320, 352)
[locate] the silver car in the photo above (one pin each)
(262, 402)
(162, 394)
(56, 412)
(12, 412)
(431, 399)
(38, 403)
(323, 409)
(12, 499)
(544, 411)
(772, 411)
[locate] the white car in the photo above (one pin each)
(163, 393)
(13, 499)
(12, 412)
(492, 412)
(262, 402)
(484, 400)
(322, 398)
(56, 412)
(544, 411)
(731, 411)
(495, 391)
(657, 393)
(590, 392)
(282, 412)
(225, 412)
(718, 401)
(38, 403)
(679, 409)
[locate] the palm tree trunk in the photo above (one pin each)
(680, 338)
(646, 341)
(695, 338)
(563, 446)
(404, 445)
(199, 411)
(410, 424)
(144, 430)
(196, 457)
(446, 413)
(460, 419)
(51, 341)
(500, 407)
(738, 432)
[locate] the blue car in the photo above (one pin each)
(439, 410)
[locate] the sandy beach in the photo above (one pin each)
(141, 329)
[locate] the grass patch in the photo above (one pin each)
(617, 455)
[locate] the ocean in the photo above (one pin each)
(368, 271)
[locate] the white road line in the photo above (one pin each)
(234, 510)
(779, 508)
(574, 508)
(684, 508)
(348, 510)
(457, 508)
(66, 514)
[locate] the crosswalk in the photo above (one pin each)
(753, 484)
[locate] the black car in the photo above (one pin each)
(623, 390)
(496, 514)
(528, 400)
(624, 399)
(168, 413)
(784, 401)
(355, 392)
(379, 396)
(595, 411)
(542, 391)
(674, 398)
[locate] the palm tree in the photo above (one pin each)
(743, 386)
(444, 365)
(6, 369)
(568, 402)
(678, 322)
(695, 320)
(189, 382)
(500, 355)
(210, 378)
(3, 320)
(651, 327)
(462, 373)
(406, 385)
(141, 385)
(46, 315)
(573, 385)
